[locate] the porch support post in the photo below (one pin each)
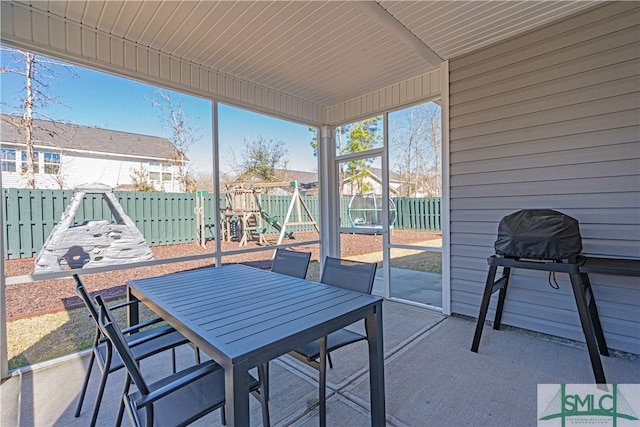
(216, 184)
(4, 367)
(328, 193)
(446, 201)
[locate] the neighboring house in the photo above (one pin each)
(68, 155)
(307, 181)
(374, 181)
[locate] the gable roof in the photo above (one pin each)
(393, 176)
(304, 178)
(71, 137)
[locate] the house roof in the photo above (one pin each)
(318, 53)
(393, 176)
(71, 137)
(306, 178)
(303, 177)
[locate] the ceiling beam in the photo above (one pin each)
(394, 27)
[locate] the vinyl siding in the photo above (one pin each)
(410, 91)
(550, 119)
(77, 170)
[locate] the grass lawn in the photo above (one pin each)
(44, 337)
(39, 338)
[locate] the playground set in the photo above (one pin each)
(244, 217)
(93, 243)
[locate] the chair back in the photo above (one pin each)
(291, 263)
(352, 275)
(110, 329)
(84, 296)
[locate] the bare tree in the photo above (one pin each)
(36, 71)
(416, 141)
(204, 180)
(182, 136)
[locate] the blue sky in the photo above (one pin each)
(94, 98)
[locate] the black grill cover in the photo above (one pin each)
(539, 234)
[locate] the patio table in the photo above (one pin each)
(243, 317)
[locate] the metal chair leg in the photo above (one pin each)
(125, 391)
(85, 384)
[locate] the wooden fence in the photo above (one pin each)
(163, 218)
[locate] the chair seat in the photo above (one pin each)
(335, 340)
(162, 341)
(198, 398)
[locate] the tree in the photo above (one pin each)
(204, 181)
(360, 136)
(261, 159)
(182, 136)
(140, 180)
(354, 138)
(35, 70)
(416, 143)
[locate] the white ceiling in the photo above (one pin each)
(323, 52)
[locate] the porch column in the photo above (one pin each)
(328, 194)
(4, 367)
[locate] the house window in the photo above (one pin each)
(8, 160)
(160, 171)
(51, 163)
(36, 161)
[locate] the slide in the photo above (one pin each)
(273, 221)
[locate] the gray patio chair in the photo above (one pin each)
(291, 263)
(144, 344)
(176, 400)
(354, 276)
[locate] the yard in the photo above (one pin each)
(46, 319)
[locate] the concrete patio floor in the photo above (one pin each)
(431, 376)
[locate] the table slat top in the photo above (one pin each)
(237, 311)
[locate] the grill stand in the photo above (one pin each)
(585, 303)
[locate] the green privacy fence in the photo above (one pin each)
(418, 213)
(164, 218)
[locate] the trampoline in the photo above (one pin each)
(365, 210)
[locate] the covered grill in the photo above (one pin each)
(540, 234)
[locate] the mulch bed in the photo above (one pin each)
(46, 296)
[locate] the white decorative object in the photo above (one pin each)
(93, 243)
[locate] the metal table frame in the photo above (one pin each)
(243, 317)
(585, 303)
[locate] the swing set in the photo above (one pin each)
(244, 218)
